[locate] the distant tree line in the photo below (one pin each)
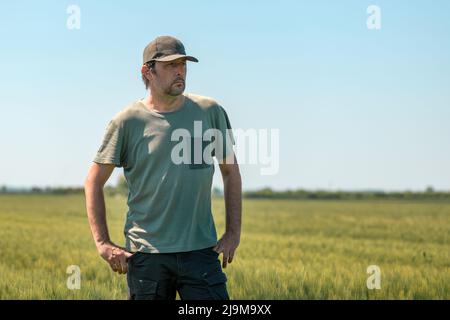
(53, 190)
(301, 194)
(121, 188)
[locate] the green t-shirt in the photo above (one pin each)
(169, 181)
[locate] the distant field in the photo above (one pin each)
(289, 249)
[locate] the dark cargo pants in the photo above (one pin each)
(196, 275)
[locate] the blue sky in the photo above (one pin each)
(356, 108)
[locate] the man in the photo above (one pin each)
(162, 143)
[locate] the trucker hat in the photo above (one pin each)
(165, 48)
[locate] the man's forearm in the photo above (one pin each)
(233, 202)
(96, 211)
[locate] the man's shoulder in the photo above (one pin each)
(204, 102)
(129, 112)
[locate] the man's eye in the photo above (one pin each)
(172, 64)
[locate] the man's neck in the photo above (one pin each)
(164, 103)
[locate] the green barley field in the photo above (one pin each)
(289, 249)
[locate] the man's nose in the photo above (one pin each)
(180, 70)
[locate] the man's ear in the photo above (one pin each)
(145, 70)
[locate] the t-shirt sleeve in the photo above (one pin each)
(224, 126)
(112, 149)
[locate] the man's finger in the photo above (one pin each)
(123, 263)
(230, 259)
(113, 267)
(127, 254)
(122, 269)
(116, 262)
(225, 259)
(218, 248)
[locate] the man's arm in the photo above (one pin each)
(95, 206)
(233, 207)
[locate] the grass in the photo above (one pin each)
(289, 249)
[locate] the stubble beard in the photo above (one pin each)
(175, 89)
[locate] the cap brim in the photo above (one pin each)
(176, 56)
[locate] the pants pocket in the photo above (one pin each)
(209, 252)
(216, 283)
(134, 254)
(142, 289)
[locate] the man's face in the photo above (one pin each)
(169, 77)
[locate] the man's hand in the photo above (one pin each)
(115, 256)
(227, 244)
